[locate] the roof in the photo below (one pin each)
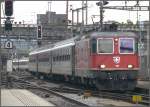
(50, 47)
(116, 34)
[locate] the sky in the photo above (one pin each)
(25, 11)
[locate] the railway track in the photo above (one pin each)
(126, 96)
(27, 85)
(112, 95)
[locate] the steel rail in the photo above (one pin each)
(127, 96)
(28, 85)
(76, 0)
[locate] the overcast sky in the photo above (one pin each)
(26, 11)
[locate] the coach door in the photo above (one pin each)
(73, 60)
(50, 61)
(37, 64)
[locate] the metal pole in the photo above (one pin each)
(49, 12)
(0, 16)
(137, 11)
(72, 20)
(101, 15)
(77, 17)
(0, 52)
(137, 17)
(67, 2)
(49, 6)
(148, 45)
(0, 37)
(86, 12)
(82, 12)
(140, 50)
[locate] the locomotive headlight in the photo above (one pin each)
(116, 39)
(103, 66)
(130, 66)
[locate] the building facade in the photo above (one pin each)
(51, 18)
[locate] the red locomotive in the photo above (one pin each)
(107, 60)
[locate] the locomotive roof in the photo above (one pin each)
(49, 47)
(71, 42)
(112, 34)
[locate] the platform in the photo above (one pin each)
(143, 84)
(22, 97)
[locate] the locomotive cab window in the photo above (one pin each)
(105, 46)
(127, 46)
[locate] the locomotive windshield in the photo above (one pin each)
(126, 45)
(105, 45)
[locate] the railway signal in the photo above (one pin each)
(8, 24)
(8, 7)
(39, 32)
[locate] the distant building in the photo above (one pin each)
(51, 18)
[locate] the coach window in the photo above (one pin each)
(68, 57)
(126, 45)
(57, 58)
(61, 57)
(67, 51)
(53, 58)
(105, 45)
(45, 59)
(64, 57)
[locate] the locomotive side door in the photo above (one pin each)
(37, 64)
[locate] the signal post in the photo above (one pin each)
(39, 35)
